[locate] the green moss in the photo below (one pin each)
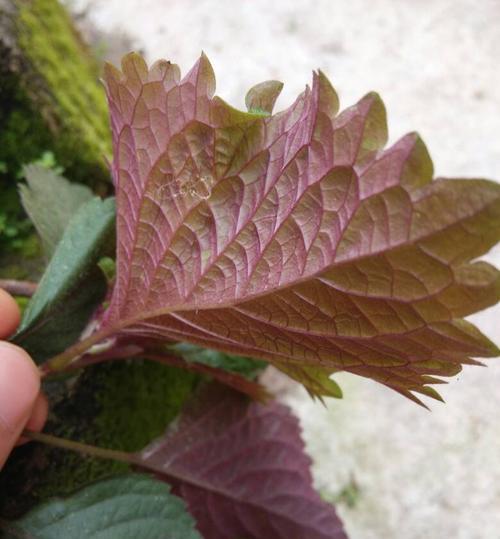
(60, 106)
(140, 400)
(23, 135)
(49, 41)
(121, 406)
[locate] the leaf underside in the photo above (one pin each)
(293, 237)
(241, 468)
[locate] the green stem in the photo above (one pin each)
(85, 449)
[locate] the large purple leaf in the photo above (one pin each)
(295, 237)
(241, 468)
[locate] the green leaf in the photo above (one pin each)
(245, 366)
(316, 380)
(262, 97)
(72, 285)
(51, 201)
(125, 507)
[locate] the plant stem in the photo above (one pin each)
(62, 360)
(234, 380)
(85, 449)
(18, 288)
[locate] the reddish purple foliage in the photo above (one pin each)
(295, 237)
(242, 470)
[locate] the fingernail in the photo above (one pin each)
(19, 386)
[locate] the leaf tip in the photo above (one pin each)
(205, 75)
(134, 67)
(111, 74)
(262, 97)
(328, 97)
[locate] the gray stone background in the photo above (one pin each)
(397, 471)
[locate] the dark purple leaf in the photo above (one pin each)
(241, 468)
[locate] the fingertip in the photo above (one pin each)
(40, 412)
(19, 386)
(10, 314)
(38, 416)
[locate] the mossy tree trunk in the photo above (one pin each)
(50, 94)
(51, 100)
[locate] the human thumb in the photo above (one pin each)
(19, 389)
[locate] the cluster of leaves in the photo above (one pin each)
(77, 233)
(295, 239)
(239, 466)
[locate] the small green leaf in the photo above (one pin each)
(125, 507)
(245, 366)
(261, 98)
(72, 285)
(316, 380)
(51, 201)
(108, 267)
